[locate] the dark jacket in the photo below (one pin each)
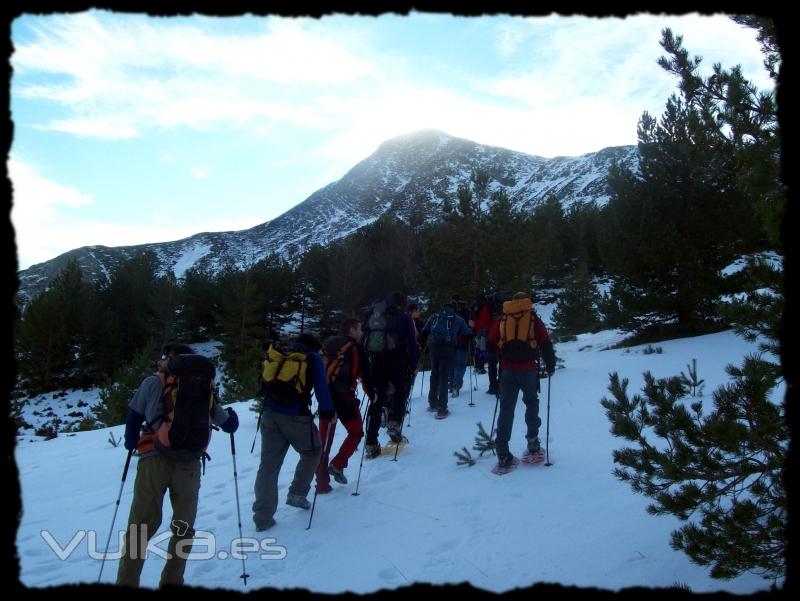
(460, 328)
(407, 350)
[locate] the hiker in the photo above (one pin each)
(489, 315)
(463, 341)
(346, 362)
(390, 341)
(413, 311)
(287, 421)
(520, 337)
(158, 469)
(479, 350)
(441, 333)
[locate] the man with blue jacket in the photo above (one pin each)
(441, 334)
(287, 421)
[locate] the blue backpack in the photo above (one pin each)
(442, 327)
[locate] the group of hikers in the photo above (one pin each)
(382, 351)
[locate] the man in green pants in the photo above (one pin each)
(157, 472)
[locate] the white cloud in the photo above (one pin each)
(196, 78)
(199, 173)
(46, 223)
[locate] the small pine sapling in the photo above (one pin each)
(483, 441)
(464, 457)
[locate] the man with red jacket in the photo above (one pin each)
(520, 337)
(488, 317)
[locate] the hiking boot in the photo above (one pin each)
(505, 461)
(371, 451)
(265, 525)
(432, 408)
(298, 501)
(454, 392)
(337, 474)
(492, 390)
(534, 446)
(323, 488)
(442, 413)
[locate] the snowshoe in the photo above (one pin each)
(532, 457)
(392, 446)
(505, 464)
(442, 413)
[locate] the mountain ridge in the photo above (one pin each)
(411, 172)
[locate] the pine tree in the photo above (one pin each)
(724, 470)
(576, 309)
(42, 343)
(509, 244)
(706, 168)
(117, 392)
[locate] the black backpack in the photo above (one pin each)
(381, 328)
(185, 428)
(442, 328)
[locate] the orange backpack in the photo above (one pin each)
(517, 341)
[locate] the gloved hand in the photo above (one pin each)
(131, 439)
(231, 424)
(132, 425)
(327, 415)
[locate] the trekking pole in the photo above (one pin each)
(411, 390)
(408, 401)
(114, 519)
(363, 449)
(494, 417)
(258, 425)
(397, 446)
(244, 575)
(363, 396)
(471, 361)
(547, 437)
(422, 385)
(326, 450)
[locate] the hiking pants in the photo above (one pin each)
(492, 360)
(154, 475)
(390, 378)
(355, 433)
(458, 367)
(441, 363)
(511, 382)
(278, 433)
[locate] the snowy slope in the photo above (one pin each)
(407, 175)
(421, 519)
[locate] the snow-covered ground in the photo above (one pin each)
(422, 519)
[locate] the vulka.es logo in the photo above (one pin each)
(202, 546)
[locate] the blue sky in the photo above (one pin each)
(131, 129)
